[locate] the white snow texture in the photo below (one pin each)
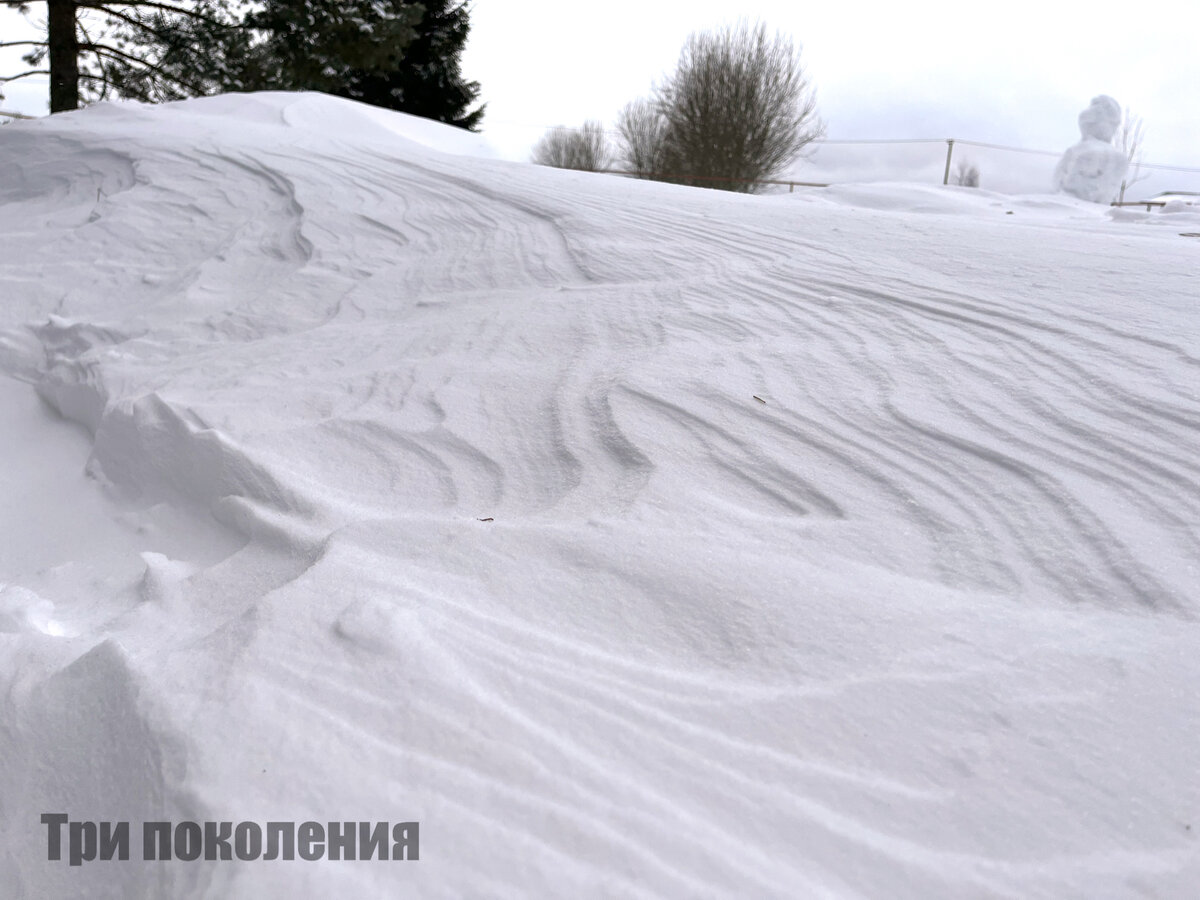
(636, 540)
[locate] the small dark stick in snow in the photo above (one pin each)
(488, 519)
(758, 398)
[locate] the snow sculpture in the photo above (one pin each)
(1093, 169)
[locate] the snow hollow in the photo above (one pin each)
(635, 540)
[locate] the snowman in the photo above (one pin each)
(1093, 169)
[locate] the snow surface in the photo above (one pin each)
(637, 540)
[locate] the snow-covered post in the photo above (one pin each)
(949, 153)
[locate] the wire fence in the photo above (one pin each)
(1002, 168)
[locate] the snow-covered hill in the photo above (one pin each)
(635, 540)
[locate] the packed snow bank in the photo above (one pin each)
(907, 198)
(635, 540)
(345, 120)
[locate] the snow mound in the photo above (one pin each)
(636, 540)
(907, 198)
(305, 113)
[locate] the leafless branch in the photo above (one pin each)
(105, 50)
(737, 111)
(9, 78)
(585, 149)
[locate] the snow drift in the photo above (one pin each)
(635, 540)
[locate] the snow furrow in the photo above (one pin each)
(638, 540)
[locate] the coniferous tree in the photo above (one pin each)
(319, 45)
(428, 81)
(284, 45)
(158, 50)
(82, 49)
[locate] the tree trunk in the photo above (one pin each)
(64, 56)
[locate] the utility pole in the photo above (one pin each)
(949, 153)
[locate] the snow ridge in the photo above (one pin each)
(637, 540)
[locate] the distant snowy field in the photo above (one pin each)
(638, 541)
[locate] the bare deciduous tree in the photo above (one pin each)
(966, 173)
(583, 148)
(1128, 140)
(642, 129)
(737, 107)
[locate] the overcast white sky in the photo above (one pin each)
(1016, 72)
